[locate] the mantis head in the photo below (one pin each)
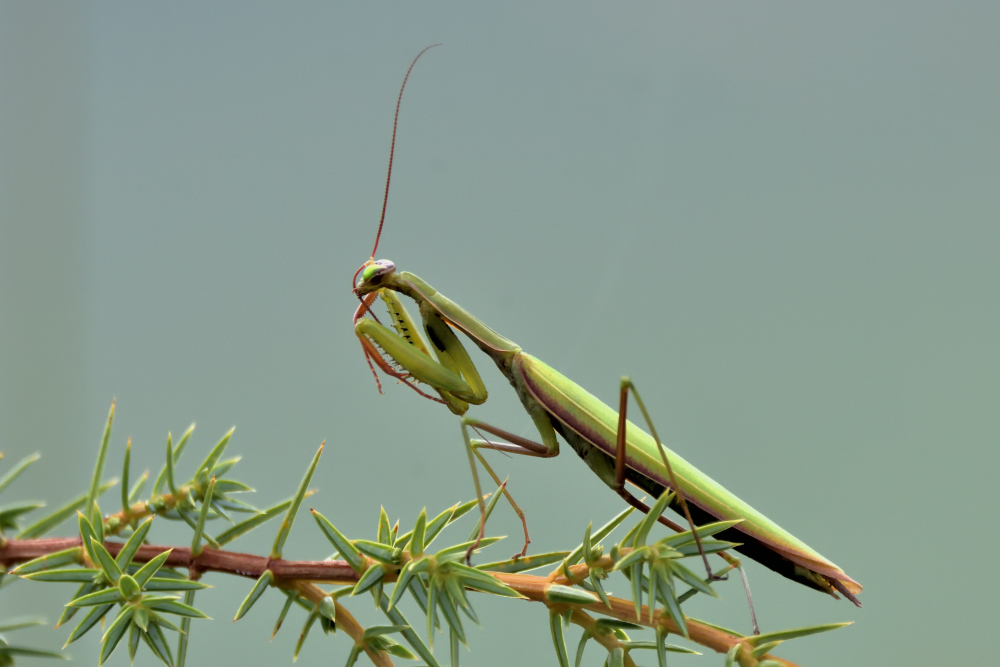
(373, 274)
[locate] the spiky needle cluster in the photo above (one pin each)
(144, 583)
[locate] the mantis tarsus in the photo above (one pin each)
(615, 449)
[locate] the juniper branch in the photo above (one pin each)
(302, 575)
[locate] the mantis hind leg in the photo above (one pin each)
(619, 487)
(514, 444)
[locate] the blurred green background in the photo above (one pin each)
(780, 218)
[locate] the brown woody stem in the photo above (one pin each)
(301, 576)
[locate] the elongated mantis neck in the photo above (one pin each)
(488, 340)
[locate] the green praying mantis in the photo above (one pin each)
(613, 447)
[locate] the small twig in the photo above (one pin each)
(345, 620)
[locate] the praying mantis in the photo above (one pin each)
(613, 447)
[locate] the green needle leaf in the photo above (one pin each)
(661, 649)
(49, 522)
(588, 548)
(707, 530)
(21, 623)
(524, 564)
(196, 547)
(380, 630)
(402, 583)
(344, 546)
(169, 468)
(411, 637)
(157, 584)
(451, 615)
(453, 642)
(596, 583)
(111, 569)
(559, 594)
(158, 643)
(400, 652)
(459, 550)
(146, 572)
(286, 524)
(98, 523)
(764, 649)
(489, 510)
(245, 526)
(352, 657)
(636, 578)
(185, 634)
(492, 587)
(383, 527)
(18, 468)
(289, 600)
(133, 641)
(131, 547)
(650, 519)
(182, 443)
(213, 456)
(613, 625)
(708, 546)
(222, 467)
(482, 581)
(630, 559)
(651, 586)
(10, 513)
(102, 454)
(306, 627)
(69, 612)
(114, 634)
(437, 524)
(258, 589)
(666, 590)
(584, 638)
(106, 596)
(559, 639)
(87, 536)
(785, 635)
(607, 528)
(178, 608)
(431, 611)
(177, 451)
(381, 552)
(49, 561)
(126, 462)
(7, 650)
(230, 485)
(372, 576)
(692, 580)
(456, 594)
(91, 619)
(417, 541)
(135, 492)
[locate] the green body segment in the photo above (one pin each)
(418, 290)
(597, 423)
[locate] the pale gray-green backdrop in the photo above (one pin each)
(781, 219)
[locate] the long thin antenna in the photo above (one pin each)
(392, 148)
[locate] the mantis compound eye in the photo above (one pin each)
(377, 270)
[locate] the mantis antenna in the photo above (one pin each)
(392, 152)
